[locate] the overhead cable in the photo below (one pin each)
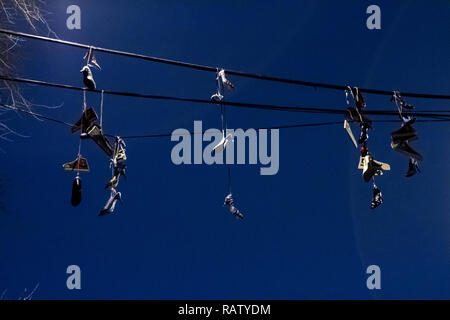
(228, 71)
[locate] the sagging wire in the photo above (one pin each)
(228, 71)
(318, 110)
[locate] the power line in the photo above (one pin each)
(165, 134)
(36, 114)
(160, 135)
(300, 125)
(209, 102)
(228, 71)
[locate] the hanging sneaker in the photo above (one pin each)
(87, 119)
(413, 167)
(377, 197)
(89, 56)
(236, 212)
(371, 168)
(358, 97)
(119, 168)
(405, 133)
(223, 143)
(80, 164)
(95, 133)
(88, 78)
(76, 191)
(113, 182)
(364, 133)
(224, 79)
(230, 202)
(111, 204)
(405, 148)
(352, 114)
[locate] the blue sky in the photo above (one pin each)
(309, 232)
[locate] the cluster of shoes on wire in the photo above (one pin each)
(400, 140)
(402, 137)
(90, 129)
(222, 83)
(370, 167)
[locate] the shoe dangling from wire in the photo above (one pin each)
(90, 129)
(80, 164)
(401, 138)
(377, 197)
(76, 191)
(354, 114)
(95, 132)
(90, 58)
(88, 118)
(225, 82)
(405, 133)
(230, 202)
(111, 203)
(222, 82)
(405, 148)
(370, 166)
(364, 136)
(88, 78)
(413, 167)
(118, 163)
(222, 143)
(360, 103)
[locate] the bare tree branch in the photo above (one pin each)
(11, 12)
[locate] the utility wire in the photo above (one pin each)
(35, 114)
(229, 103)
(163, 134)
(158, 135)
(300, 125)
(228, 71)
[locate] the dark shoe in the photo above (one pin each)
(372, 169)
(377, 198)
(87, 119)
(405, 148)
(80, 164)
(230, 202)
(364, 133)
(96, 134)
(88, 78)
(405, 133)
(413, 167)
(76, 191)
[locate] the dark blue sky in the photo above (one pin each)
(308, 232)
